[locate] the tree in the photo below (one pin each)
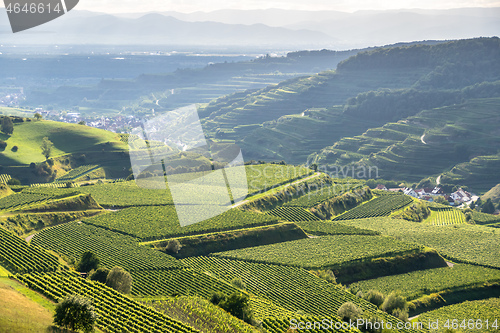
(3, 144)
(46, 147)
(236, 304)
(349, 311)
(37, 116)
(173, 246)
(13, 181)
(75, 313)
(238, 283)
(375, 297)
(488, 207)
(88, 262)
(441, 200)
(81, 122)
(7, 126)
(395, 302)
(119, 279)
(101, 275)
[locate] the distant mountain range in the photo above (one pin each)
(265, 28)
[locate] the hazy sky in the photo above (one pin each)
(210, 5)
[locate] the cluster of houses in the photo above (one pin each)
(11, 99)
(456, 198)
(116, 124)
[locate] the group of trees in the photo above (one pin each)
(117, 278)
(393, 304)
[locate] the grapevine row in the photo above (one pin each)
(379, 206)
(116, 313)
(20, 257)
(289, 287)
(113, 249)
(293, 214)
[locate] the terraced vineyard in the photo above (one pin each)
(482, 218)
(293, 214)
(158, 222)
(19, 201)
(323, 324)
(179, 282)
(116, 313)
(322, 252)
(77, 173)
(289, 287)
(52, 185)
(20, 257)
(5, 178)
(445, 216)
(332, 228)
(113, 249)
(461, 243)
(380, 206)
(468, 317)
(127, 194)
(201, 314)
(418, 283)
(263, 177)
(324, 193)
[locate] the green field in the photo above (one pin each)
(463, 243)
(415, 284)
(467, 317)
(158, 222)
(67, 138)
(323, 252)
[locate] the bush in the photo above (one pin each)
(394, 302)
(375, 297)
(88, 262)
(3, 144)
(15, 148)
(100, 275)
(349, 311)
(75, 313)
(13, 181)
(120, 280)
(236, 304)
(238, 283)
(173, 246)
(327, 275)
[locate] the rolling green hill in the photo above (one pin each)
(73, 146)
(67, 139)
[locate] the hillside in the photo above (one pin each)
(427, 144)
(73, 145)
(368, 91)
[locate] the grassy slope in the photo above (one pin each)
(67, 138)
(493, 194)
(19, 313)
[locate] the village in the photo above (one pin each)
(460, 198)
